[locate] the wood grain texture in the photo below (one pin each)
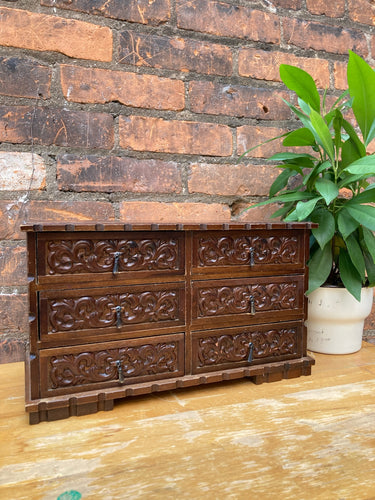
(310, 437)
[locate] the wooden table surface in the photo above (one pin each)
(306, 438)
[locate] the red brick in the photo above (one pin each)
(182, 54)
(339, 73)
(110, 174)
(12, 350)
(21, 171)
(236, 100)
(225, 19)
(24, 78)
(240, 212)
(249, 136)
(362, 11)
(137, 11)
(13, 213)
(13, 265)
(14, 313)
(142, 133)
(231, 180)
(79, 39)
(265, 65)
(60, 127)
(93, 85)
(330, 9)
(328, 38)
(157, 212)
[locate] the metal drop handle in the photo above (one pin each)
(252, 305)
(120, 372)
(118, 316)
(251, 352)
(251, 250)
(116, 263)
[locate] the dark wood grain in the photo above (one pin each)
(120, 310)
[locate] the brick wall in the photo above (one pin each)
(140, 109)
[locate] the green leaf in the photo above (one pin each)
(369, 240)
(366, 196)
(349, 129)
(301, 83)
(319, 168)
(349, 275)
(364, 214)
(300, 137)
(282, 212)
(326, 229)
(363, 166)
(261, 144)
(370, 268)
(327, 189)
(337, 124)
(322, 134)
(280, 182)
(348, 180)
(305, 120)
(361, 82)
(346, 223)
(287, 197)
(304, 208)
(320, 266)
(292, 217)
(290, 157)
(355, 253)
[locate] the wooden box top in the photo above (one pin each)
(150, 226)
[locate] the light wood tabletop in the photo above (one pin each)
(305, 438)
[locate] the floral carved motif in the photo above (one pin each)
(93, 367)
(69, 314)
(241, 250)
(220, 349)
(237, 299)
(99, 256)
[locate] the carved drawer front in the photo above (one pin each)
(241, 301)
(110, 364)
(109, 255)
(67, 315)
(250, 251)
(245, 346)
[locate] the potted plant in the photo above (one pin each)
(331, 185)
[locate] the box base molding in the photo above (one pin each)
(85, 403)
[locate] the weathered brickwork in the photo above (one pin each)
(140, 110)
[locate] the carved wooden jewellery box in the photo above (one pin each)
(119, 310)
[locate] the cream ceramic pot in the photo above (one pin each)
(335, 320)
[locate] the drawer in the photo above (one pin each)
(230, 348)
(254, 252)
(243, 301)
(91, 313)
(103, 256)
(96, 366)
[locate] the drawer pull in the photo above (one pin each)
(116, 262)
(251, 250)
(251, 352)
(118, 316)
(252, 305)
(121, 377)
